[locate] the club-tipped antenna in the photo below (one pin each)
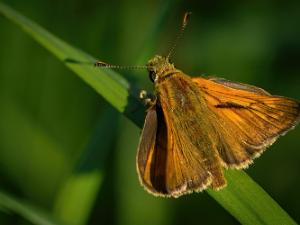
(179, 36)
(106, 65)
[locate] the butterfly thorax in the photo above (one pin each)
(160, 68)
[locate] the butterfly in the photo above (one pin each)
(195, 127)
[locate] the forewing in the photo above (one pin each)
(146, 150)
(187, 167)
(248, 119)
(165, 164)
(147, 142)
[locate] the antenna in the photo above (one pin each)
(179, 36)
(106, 65)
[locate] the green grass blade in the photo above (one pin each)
(243, 198)
(248, 202)
(30, 213)
(113, 87)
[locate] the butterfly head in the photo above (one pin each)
(158, 66)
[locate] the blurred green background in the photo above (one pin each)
(66, 151)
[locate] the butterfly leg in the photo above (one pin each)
(147, 99)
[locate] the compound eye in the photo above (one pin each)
(152, 76)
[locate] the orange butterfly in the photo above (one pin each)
(196, 127)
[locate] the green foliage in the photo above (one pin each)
(76, 196)
(9, 204)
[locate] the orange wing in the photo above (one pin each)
(164, 168)
(249, 119)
